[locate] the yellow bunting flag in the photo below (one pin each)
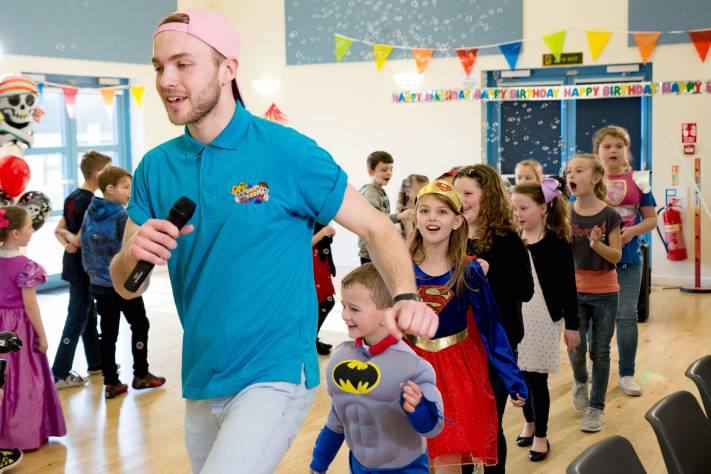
(422, 58)
(381, 53)
(343, 44)
(137, 93)
(555, 41)
(646, 43)
(597, 40)
(108, 94)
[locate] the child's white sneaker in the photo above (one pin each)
(71, 380)
(593, 420)
(630, 386)
(580, 395)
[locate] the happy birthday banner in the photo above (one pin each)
(593, 91)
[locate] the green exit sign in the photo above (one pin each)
(565, 59)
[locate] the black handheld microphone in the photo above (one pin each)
(179, 215)
(9, 342)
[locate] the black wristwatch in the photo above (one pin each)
(406, 296)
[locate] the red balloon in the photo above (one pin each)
(14, 175)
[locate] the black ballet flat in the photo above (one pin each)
(524, 441)
(536, 456)
(321, 349)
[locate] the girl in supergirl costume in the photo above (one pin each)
(324, 269)
(470, 332)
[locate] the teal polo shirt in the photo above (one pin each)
(243, 280)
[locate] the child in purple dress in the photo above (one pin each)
(30, 410)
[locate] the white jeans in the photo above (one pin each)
(247, 433)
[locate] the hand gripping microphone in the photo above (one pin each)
(179, 215)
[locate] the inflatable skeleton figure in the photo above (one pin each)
(18, 104)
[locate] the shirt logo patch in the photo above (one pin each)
(244, 193)
(616, 191)
(354, 376)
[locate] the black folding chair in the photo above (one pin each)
(700, 373)
(611, 455)
(683, 432)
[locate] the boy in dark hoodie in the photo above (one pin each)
(100, 238)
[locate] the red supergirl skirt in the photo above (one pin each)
(322, 278)
(471, 422)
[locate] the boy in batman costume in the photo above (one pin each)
(385, 399)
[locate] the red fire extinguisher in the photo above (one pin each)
(674, 242)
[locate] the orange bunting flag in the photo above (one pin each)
(597, 40)
(646, 43)
(381, 53)
(275, 115)
(422, 58)
(108, 94)
(137, 93)
(702, 41)
(467, 58)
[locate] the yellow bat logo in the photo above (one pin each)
(354, 376)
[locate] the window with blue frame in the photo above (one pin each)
(553, 131)
(60, 141)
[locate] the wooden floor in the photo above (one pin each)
(143, 431)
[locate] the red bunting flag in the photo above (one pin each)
(422, 58)
(275, 115)
(70, 100)
(468, 58)
(702, 41)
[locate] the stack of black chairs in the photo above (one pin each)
(682, 429)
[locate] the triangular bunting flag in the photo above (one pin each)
(511, 52)
(70, 100)
(108, 94)
(275, 115)
(40, 89)
(555, 41)
(137, 93)
(343, 44)
(467, 57)
(702, 41)
(646, 43)
(381, 53)
(597, 40)
(422, 58)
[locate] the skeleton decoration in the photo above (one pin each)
(18, 100)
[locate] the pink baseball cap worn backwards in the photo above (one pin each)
(212, 29)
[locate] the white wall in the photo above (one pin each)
(347, 107)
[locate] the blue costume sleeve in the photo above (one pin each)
(327, 445)
(647, 200)
(425, 418)
(428, 417)
(488, 321)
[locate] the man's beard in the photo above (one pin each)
(203, 104)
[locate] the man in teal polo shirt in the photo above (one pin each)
(242, 273)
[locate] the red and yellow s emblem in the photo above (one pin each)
(435, 296)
